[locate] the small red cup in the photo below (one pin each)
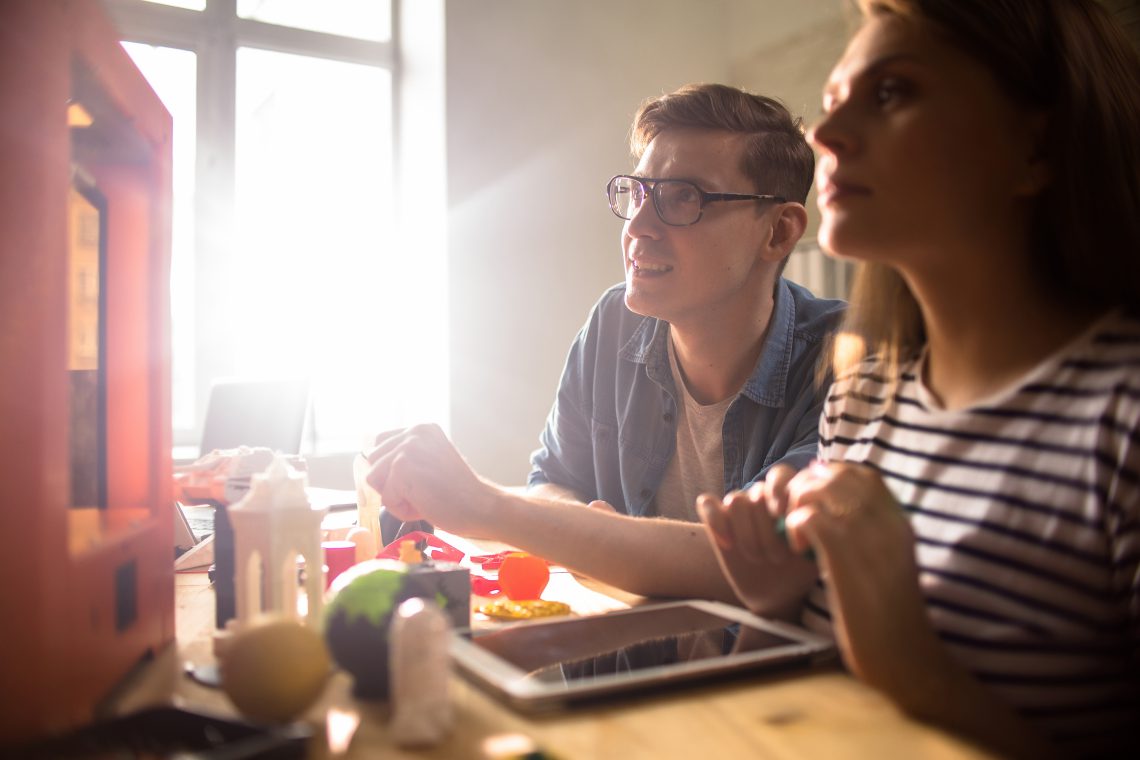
(339, 556)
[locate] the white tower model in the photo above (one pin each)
(272, 525)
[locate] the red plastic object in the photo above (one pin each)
(339, 556)
(481, 586)
(437, 549)
(523, 576)
(494, 561)
(489, 561)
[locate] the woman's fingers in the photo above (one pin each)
(737, 509)
(749, 515)
(711, 514)
(838, 507)
(740, 523)
(775, 487)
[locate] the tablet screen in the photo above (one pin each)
(585, 648)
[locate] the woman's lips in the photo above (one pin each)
(833, 192)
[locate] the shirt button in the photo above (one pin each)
(668, 417)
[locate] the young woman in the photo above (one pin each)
(975, 510)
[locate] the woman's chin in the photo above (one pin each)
(845, 242)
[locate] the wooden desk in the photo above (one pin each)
(817, 714)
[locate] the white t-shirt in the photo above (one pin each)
(697, 465)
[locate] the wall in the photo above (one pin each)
(540, 94)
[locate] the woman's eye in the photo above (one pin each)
(889, 90)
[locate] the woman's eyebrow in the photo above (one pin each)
(873, 68)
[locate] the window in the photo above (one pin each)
(285, 228)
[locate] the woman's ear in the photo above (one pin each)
(787, 229)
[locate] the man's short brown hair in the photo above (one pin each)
(777, 157)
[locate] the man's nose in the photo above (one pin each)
(644, 222)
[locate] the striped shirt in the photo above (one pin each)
(1026, 513)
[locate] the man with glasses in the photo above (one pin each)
(695, 375)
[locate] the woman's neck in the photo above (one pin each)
(985, 332)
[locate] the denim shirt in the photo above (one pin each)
(612, 429)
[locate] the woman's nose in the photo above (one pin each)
(831, 133)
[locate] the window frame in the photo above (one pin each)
(214, 35)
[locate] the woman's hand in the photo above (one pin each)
(865, 547)
(866, 550)
(765, 574)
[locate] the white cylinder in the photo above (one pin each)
(420, 668)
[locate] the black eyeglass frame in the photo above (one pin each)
(651, 184)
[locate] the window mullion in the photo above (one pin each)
(161, 25)
(284, 39)
(215, 337)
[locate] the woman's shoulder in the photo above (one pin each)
(868, 386)
(1109, 349)
(1117, 331)
(873, 372)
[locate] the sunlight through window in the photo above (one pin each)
(286, 252)
(314, 196)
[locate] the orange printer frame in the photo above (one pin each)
(85, 594)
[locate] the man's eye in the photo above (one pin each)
(682, 192)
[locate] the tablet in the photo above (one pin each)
(547, 665)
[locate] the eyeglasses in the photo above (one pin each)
(679, 203)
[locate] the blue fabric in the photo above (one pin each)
(612, 429)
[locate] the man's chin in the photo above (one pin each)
(639, 304)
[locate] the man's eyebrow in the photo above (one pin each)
(686, 178)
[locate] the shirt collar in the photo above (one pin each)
(768, 383)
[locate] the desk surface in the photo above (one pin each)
(821, 713)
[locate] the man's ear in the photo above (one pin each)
(787, 229)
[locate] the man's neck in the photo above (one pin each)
(716, 357)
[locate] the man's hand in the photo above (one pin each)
(766, 575)
(421, 476)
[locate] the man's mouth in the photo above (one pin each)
(648, 267)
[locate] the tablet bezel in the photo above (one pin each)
(512, 683)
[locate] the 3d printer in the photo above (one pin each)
(87, 589)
